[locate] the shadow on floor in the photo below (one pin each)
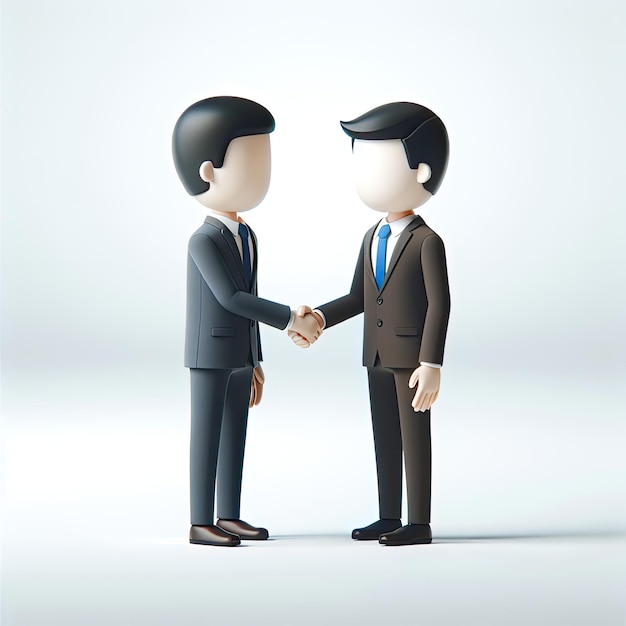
(471, 538)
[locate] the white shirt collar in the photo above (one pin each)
(232, 225)
(396, 227)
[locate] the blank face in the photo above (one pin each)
(383, 178)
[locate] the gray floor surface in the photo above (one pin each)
(527, 515)
(314, 579)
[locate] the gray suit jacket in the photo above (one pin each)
(405, 321)
(222, 311)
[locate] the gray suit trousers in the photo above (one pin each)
(398, 428)
(219, 417)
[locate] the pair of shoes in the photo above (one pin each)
(226, 532)
(407, 535)
(375, 530)
(212, 536)
(243, 529)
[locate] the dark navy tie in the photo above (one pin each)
(245, 249)
(381, 254)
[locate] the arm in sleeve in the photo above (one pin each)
(433, 257)
(213, 269)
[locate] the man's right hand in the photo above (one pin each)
(306, 327)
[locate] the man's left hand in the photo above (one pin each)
(427, 380)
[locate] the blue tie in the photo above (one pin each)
(245, 248)
(381, 254)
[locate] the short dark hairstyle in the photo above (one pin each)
(423, 134)
(204, 131)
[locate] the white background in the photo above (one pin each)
(528, 431)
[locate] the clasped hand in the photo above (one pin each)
(306, 328)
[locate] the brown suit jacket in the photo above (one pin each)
(405, 321)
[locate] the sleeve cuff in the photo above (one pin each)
(322, 316)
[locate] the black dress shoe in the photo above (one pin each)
(212, 536)
(407, 535)
(375, 530)
(243, 529)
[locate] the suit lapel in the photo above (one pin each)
(230, 252)
(367, 252)
(403, 240)
(255, 256)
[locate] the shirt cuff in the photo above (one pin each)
(291, 320)
(437, 366)
(322, 316)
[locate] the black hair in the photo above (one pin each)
(423, 135)
(204, 131)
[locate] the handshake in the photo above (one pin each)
(306, 328)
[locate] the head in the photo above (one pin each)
(221, 149)
(400, 155)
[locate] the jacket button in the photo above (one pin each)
(380, 300)
(379, 323)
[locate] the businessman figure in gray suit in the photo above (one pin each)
(221, 149)
(400, 283)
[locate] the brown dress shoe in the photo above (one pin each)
(407, 535)
(243, 529)
(212, 536)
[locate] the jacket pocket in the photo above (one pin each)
(406, 332)
(222, 332)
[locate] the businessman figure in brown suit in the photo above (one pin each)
(401, 284)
